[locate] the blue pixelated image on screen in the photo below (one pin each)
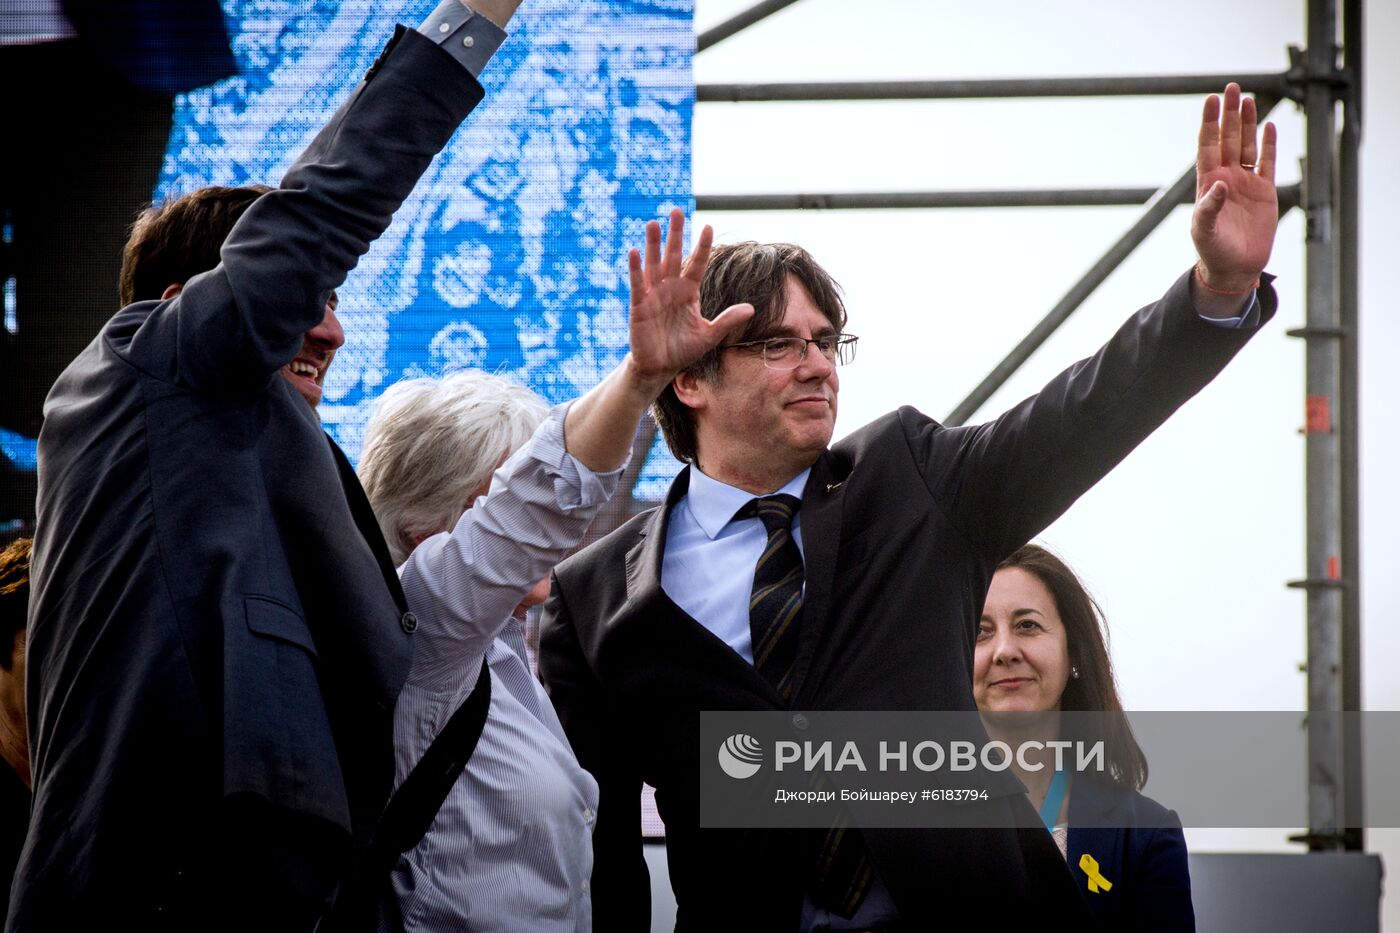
(510, 255)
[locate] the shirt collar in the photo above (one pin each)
(713, 503)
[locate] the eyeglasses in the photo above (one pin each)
(789, 352)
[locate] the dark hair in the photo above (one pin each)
(177, 239)
(756, 273)
(1095, 688)
(14, 594)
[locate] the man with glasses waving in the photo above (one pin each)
(782, 573)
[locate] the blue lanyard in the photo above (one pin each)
(1054, 798)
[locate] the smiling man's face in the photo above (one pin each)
(307, 373)
(759, 427)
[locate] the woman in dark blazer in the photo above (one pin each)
(1040, 652)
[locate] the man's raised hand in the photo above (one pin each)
(1236, 203)
(668, 332)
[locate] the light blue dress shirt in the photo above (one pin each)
(707, 568)
(464, 33)
(1248, 316)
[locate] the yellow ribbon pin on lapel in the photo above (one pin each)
(1097, 882)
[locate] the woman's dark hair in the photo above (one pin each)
(1095, 689)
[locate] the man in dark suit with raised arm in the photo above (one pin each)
(885, 544)
(217, 636)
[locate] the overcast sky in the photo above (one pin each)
(1189, 542)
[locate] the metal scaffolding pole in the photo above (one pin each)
(1325, 583)
(1349, 172)
(883, 200)
(739, 22)
(1277, 85)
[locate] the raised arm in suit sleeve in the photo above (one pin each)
(236, 325)
(621, 885)
(1004, 481)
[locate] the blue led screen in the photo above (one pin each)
(511, 253)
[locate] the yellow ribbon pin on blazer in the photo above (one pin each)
(1097, 882)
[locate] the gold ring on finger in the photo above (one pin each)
(1249, 165)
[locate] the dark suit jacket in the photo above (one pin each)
(1143, 857)
(216, 634)
(904, 522)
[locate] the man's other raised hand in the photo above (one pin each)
(668, 332)
(1236, 211)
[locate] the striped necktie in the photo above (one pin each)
(843, 872)
(775, 603)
